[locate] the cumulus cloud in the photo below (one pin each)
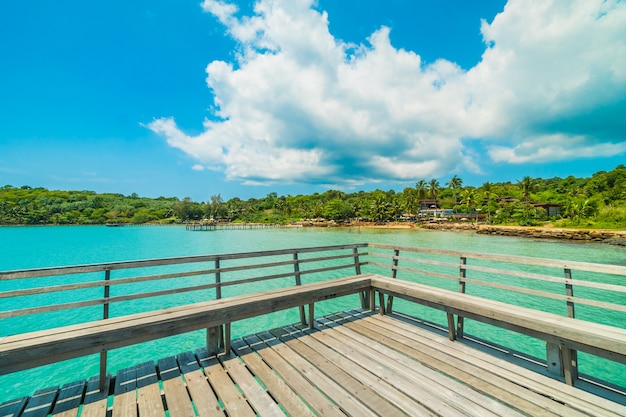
(298, 105)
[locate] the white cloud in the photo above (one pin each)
(299, 105)
(554, 148)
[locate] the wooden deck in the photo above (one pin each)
(354, 364)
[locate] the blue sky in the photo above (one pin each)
(244, 98)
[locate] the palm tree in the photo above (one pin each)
(489, 195)
(410, 200)
(433, 188)
(469, 199)
(379, 207)
(455, 184)
(421, 187)
(527, 184)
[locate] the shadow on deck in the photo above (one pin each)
(355, 363)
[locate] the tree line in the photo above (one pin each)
(598, 201)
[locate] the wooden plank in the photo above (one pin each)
(13, 408)
(487, 383)
(430, 387)
(340, 387)
(549, 387)
(69, 399)
(415, 382)
(125, 400)
(377, 393)
(149, 399)
(176, 396)
(202, 395)
(234, 403)
(277, 387)
(258, 398)
(95, 402)
(287, 364)
(40, 404)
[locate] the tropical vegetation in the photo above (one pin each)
(597, 202)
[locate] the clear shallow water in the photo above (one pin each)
(34, 247)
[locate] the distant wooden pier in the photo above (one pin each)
(232, 226)
(374, 360)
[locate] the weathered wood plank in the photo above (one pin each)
(366, 376)
(287, 363)
(234, 403)
(149, 399)
(414, 383)
(428, 386)
(125, 400)
(95, 402)
(69, 399)
(346, 393)
(203, 397)
(278, 388)
(546, 386)
(40, 404)
(13, 408)
(490, 384)
(176, 397)
(258, 398)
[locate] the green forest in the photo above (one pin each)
(596, 202)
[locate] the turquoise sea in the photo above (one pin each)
(48, 246)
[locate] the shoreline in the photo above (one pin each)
(612, 237)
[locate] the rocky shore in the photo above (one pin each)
(613, 237)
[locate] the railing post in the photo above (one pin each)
(215, 339)
(357, 263)
(569, 291)
(394, 274)
(570, 356)
(451, 333)
(105, 315)
(462, 274)
(363, 295)
(107, 289)
(218, 280)
(311, 316)
(296, 269)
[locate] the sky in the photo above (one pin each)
(244, 98)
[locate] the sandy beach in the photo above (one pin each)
(614, 237)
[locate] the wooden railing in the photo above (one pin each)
(164, 283)
(292, 258)
(102, 291)
(543, 284)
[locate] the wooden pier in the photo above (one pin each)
(208, 226)
(353, 364)
(375, 360)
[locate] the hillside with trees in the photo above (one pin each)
(596, 202)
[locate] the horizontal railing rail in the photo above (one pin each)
(457, 268)
(218, 271)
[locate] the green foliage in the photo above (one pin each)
(599, 201)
